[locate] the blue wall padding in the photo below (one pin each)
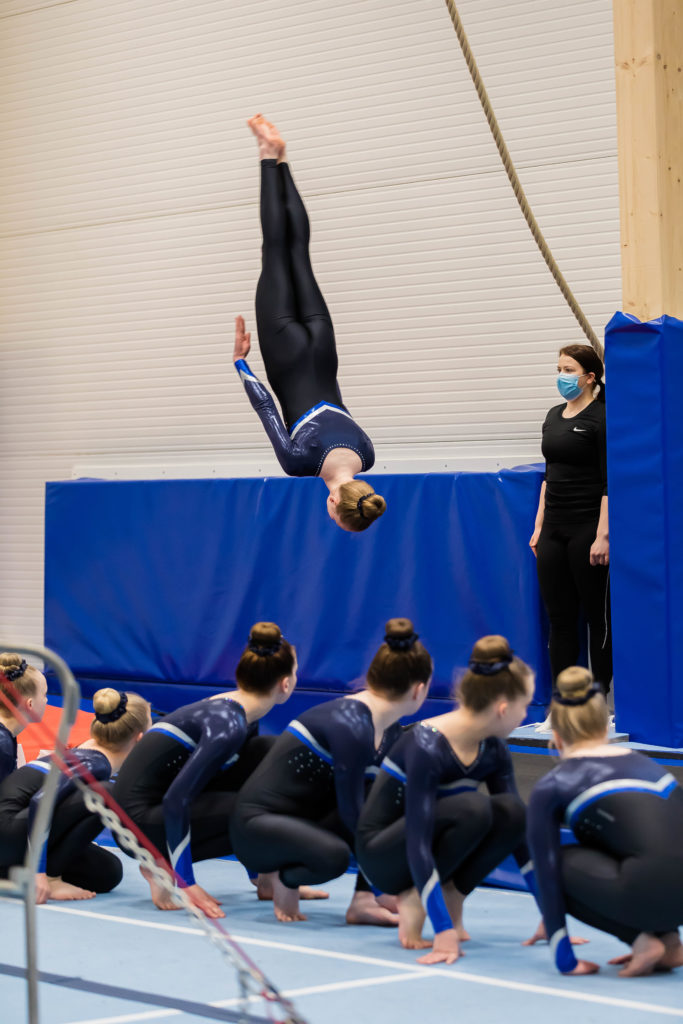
(159, 581)
(644, 363)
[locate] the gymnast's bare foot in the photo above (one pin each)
(411, 919)
(455, 901)
(60, 890)
(286, 902)
(673, 956)
(647, 952)
(365, 909)
(264, 889)
(270, 143)
(161, 897)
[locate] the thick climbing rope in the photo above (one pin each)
(515, 182)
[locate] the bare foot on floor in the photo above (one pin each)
(364, 909)
(60, 890)
(161, 898)
(286, 902)
(264, 889)
(455, 902)
(671, 958)
(411, 919)
(673, 955)
(270, 142)
(647, 952)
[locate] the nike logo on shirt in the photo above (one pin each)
(579, 430)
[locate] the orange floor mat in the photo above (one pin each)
(33, 739)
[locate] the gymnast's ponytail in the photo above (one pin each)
(494, 673)
(119, 717)
(400, 662)
(266, 659)
(579, 710)
(359, 506)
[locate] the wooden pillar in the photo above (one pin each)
(648, 40)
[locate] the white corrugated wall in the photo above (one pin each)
(130, 238)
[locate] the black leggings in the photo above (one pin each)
(210, 811)
(294, 326)
(304, 852)
(71, 852)
(472, 834)
(569, 585)
(623, 897)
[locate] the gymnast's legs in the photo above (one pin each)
(294, 326)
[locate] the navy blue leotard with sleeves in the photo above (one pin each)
(302, 448)
(341, 733)
(594, 796)
(208, 736)
(428, 768)
(24, 788)
(8, 752)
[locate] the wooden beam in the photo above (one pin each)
(648, 42)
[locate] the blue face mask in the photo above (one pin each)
(568, 385)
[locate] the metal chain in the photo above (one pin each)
(249, 975)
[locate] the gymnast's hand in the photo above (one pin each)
(583, 967)
(204, 901)
(540, 935)
(242, 340)
(446, 949)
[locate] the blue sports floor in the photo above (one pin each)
(335, 974)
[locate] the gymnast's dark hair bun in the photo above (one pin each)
(494, 673)
(400, 662)
(400, 634)
(265, 634)
(266, 659)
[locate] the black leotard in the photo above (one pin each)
(421, 790)
(297, 343)
(68, 850)
(8, 751)
(286, 814)
(161, 780)
(626, 875)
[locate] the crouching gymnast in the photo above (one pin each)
(180, 786)
(625, 873)
(71, 865)
(319, 437)
(426, 833)
(297, 814)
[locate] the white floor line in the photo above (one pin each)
(452, 975)
(334, 986)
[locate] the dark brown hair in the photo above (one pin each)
(266, 659)
(494, 673)
(400, 662)
(134, 717)
(590, 361)
(359, 506)
(586, 721)
(25, 684)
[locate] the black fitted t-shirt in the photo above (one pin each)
(575, 453)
